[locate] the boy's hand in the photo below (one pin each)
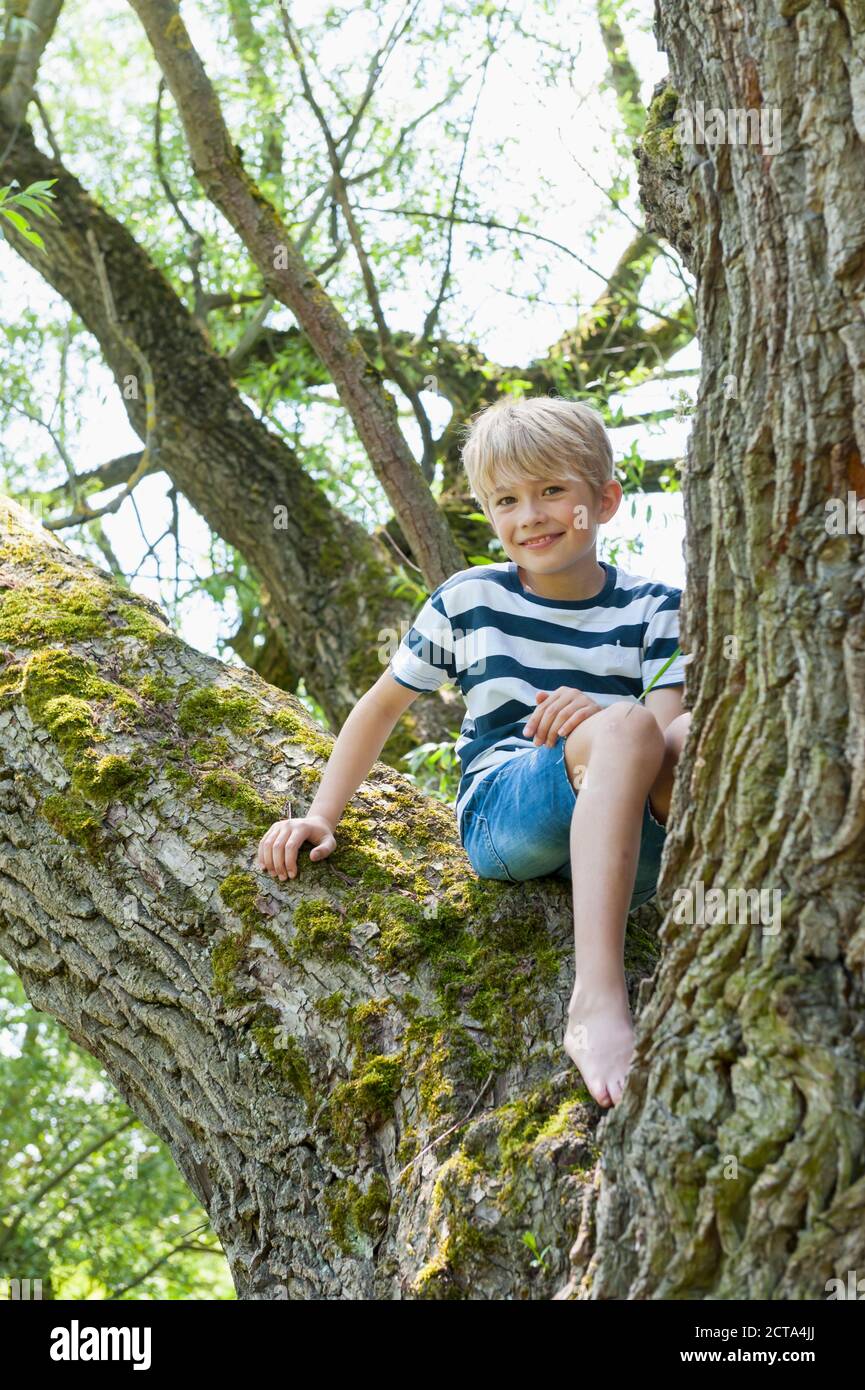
(278, 847)
(560, 711)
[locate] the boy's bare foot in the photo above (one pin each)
(599, 1039)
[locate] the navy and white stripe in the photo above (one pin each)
(500, 645)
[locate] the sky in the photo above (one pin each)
(553, 137)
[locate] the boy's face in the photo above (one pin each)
(547, 525)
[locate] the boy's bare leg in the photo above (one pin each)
(622, 750)
(661, 791)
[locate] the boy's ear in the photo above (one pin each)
(610, 499)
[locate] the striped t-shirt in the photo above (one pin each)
(500, 644)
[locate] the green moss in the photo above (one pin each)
(660, 133)
(179, 776)
(104, 778)
(138, 622)
(375, 876)
(157, 687)
(230, 789)
(70, 721)
(56, 687)
(210, 706)
(360, 856)
(226, 958)
(10, 676)
(355, 1213)
(435, 1089)
(226, 841)
(310, 778)
(54, 672)
(239, 891)
(333, 1007)
(319, 931)
(498, 1154)
(302, 733)
(409, 1146)
(285, 1053)
(67, 611)
(362, 1024)
(368, 1098)
(72, 818)
(526, 1122)
(448, 1274)
(210, 750)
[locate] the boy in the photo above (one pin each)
(563, 772)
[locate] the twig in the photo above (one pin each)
(458, 1125)
(150, 451)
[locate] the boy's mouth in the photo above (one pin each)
(541, 542)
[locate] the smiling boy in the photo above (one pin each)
(563, 772)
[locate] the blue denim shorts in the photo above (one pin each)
(517, 824)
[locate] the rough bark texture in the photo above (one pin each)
(734, 1166)
(297, 1045)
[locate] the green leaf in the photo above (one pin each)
(41, 186)
(33, 205)
(654, 681)
(16, 219)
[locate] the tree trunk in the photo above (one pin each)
(734, 1166)
(298, 1045)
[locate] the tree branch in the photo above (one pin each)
(285, 273)
(341, 194)
(17, 89)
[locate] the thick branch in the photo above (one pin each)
(333, 1060)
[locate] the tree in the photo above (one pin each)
(235, 469)
(360, 1073)
(733, 1167)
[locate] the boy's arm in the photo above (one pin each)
(665, 703)
(360, 740)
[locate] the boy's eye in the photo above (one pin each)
(551, 487)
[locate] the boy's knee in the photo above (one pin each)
(629, 726)
(631, 723)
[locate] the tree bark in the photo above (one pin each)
(734, 1168)
(298, 1045)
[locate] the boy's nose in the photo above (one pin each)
(530, 524)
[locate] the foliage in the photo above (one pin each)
(91, 1201)
(35, 199)
(435, 769)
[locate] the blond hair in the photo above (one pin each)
(537, 437)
